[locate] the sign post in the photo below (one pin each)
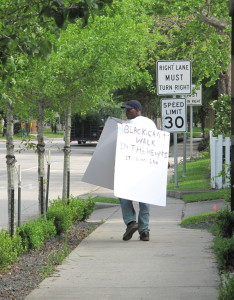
(174, 77)
(231, 14)
(174, 120)
(195, 99)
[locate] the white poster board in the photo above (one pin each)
(174, 77)
(100, 170)
(141, 164)
(133, 163)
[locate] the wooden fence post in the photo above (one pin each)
(219, 161)
(212, 160)
(216, 161)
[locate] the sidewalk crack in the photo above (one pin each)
(183, 211)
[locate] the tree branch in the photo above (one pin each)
(217, 23)
(22, 18)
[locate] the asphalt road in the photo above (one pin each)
(80, 157)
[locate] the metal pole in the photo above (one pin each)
(48, 181)
(175, 158)
(184, 154)
(231, 13)
(19, 196)
(42, 196)
(12, 221)
(184, 149)
(175, 161)
(191, 131)
(47, 186)
(68, 184)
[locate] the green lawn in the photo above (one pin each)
(49, 134)
(203, 217)
(197, 176)
(219, 194)
(197, 132)
(106, 200)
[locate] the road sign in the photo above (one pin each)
(174, 77)
(196, 98)
(174, 117)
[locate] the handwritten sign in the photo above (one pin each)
(141, 163)
(173, 77)
(132, 160)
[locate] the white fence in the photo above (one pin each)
(219, 149)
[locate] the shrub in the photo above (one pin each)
(88, 208)
(17, 244)
(8, 250)
(77, 207)
(32, 235)
(48, 227)
(35, 232)
(203, 144)
(60, 213)
(224, 250)
(222, 108)
(225, 223)
(227, 290)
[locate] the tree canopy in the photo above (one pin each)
(28, 29)
(116, 49)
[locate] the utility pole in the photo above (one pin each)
(231, 13)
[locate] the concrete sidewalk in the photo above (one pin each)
(176, 264)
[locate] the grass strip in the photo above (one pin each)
(219, 194)
(55, 259)
(200, 218)
(106, 200)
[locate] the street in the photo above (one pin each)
(28, 161)
(80, 157)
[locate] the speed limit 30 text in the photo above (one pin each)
(173, 108)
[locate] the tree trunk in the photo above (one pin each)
(67, 151)
(224, 82)
(41, 163)
(10, 161)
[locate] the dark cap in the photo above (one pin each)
(132, 104)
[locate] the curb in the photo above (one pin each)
(100, 205)
(179, 194)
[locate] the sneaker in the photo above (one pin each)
(131, 228)
(144, 236)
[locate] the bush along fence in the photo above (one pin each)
(223, 230)
(220, 161)
(60, 215)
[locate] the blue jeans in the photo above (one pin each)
(129, 214)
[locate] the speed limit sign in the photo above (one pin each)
(174, 114)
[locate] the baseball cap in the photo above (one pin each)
(132, 104)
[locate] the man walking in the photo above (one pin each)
(133, 114)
